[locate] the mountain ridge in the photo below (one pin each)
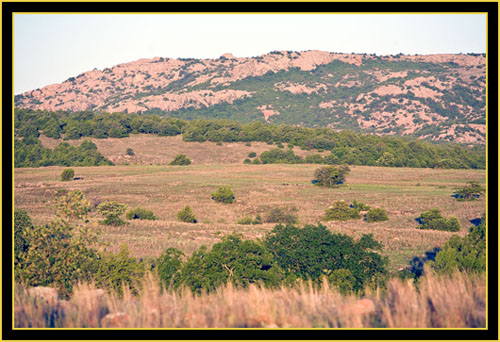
(437, 97)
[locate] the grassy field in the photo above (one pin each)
(147, 181)
(457, 301)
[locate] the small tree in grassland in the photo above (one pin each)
(180, 159)
(186, 215)
(67, 175)
(470, 192)
(331, 176)
(223, 195)
(112, 212)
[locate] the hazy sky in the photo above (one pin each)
(50, 48)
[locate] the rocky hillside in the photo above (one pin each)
(436, 97)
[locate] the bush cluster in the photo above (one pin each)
(140, 214)
(471, 192)
(180, 159)
(433, 219)
(341, 211)
(376, 215)
(282, 215)
(250, 220)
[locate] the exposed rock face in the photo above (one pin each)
(439, 97)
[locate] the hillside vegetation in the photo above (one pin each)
(435, 97)
(346, 147)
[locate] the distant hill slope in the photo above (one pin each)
(435, 97)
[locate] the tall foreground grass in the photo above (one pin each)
(436, 301)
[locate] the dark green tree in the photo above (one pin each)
(112, 212)
(186, 215)
(331, 176)
(433, 219)
(312, 252)
(67, 175)
(241, 262)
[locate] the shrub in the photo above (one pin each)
(112, 212)
(331, 176)
(471, 192)
(117, 270)
(252, 155)
(433, 219)
(180, 159)
(130, 152)
(223, 195)
(359, 206)
(140, 214)
(312, 252)
(241, 262)
(247, 161)
(256, 161)
(282, 215)
(250, 220)
(168, 266)
(186, 215)
(340, 211)
(465, 254)
(376, 215)
(67, 175)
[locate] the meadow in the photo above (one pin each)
(146, 180)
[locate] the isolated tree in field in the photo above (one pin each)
(112, 212)
(130, 152)
(180, 159)
(67, 175)
(470, 192)
(223, 195)
(331, 176)
(186, 215)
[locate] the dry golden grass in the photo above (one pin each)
(439, 302)
(164, 189)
